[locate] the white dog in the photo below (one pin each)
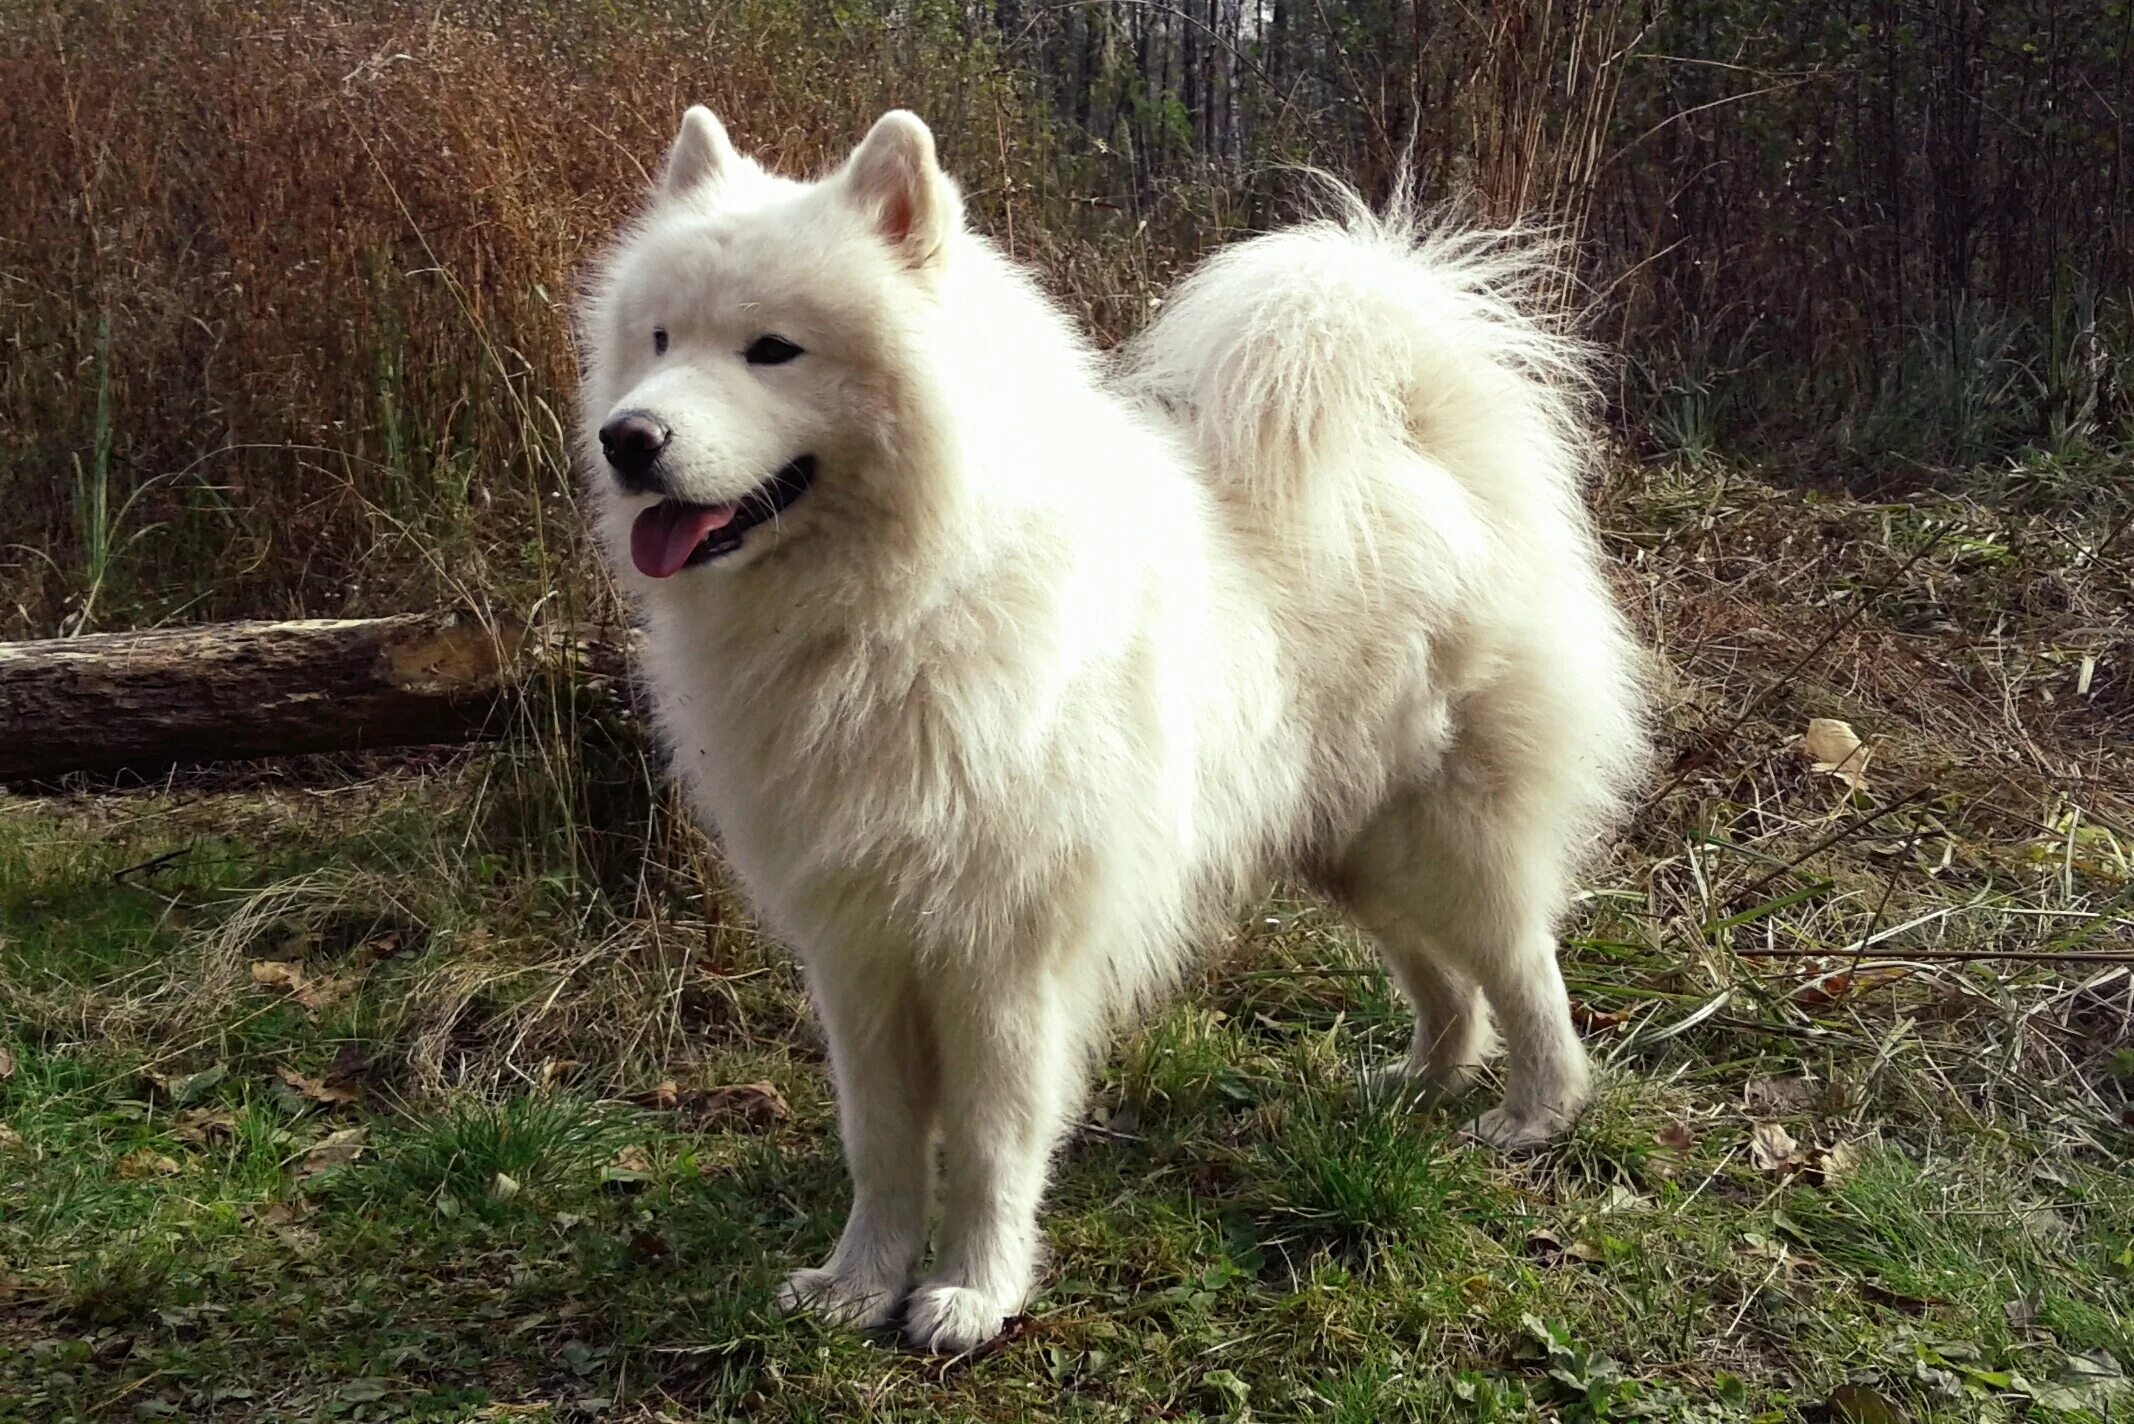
(1007, 678)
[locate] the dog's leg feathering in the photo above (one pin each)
(1011, 1063)
(888, 1079)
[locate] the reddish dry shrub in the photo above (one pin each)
(288, 287)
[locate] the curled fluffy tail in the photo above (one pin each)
(1296, 357)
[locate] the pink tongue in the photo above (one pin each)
(665, 535)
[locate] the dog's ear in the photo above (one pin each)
(701, 152)
(896, 180)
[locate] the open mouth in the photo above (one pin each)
(672, 536)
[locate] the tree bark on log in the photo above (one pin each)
(238, 691)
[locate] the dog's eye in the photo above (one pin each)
(659, 340)
(770, 351)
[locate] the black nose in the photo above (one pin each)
(632, 441)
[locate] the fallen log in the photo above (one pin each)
(239, 691)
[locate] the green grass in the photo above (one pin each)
(506, 951)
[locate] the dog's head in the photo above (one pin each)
(751, 348)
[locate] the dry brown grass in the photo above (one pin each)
(286, 289)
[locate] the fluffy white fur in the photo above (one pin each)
(1060, 660)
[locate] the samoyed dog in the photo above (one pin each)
(1008, 671)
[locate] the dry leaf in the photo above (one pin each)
(664, 1098)
(1777, 1097)
(760, 1104)
(335, 1149)
(504, 1187)
(350, 1066)
(147, 1163)
(385, 946)
(10, 1140)
(7, 1062)
(1828, 1165)
(315, 1090)
(283, 1213)
(1592, 1020)
(1831, 988)
(630, 1170)
(1772, 1149)
(204, 1125)
(186, 1088)
(1834, 749)
(1675, 1137)
(313, 994)
(555, 1070)
(1860, 1404)
(631, 1167)
(1550, 1249)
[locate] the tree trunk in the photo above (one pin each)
(237, 691)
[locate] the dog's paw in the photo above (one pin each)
(839, 1299)
(951, 1320)
(1510, 1131)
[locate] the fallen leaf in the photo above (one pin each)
(1859, 1404)
(1834, 749)
(1759, 1247)
(1591, 1020)
(1675, 1137)
(385, 946)
(1772, 1149)
(1777, 1097)
(2097, 1382)
(504, 1186)
(648, 1245)
(335, 1149)
(7, 1063)
(147, 1162)
(1550, 1249)
(555, 1070)
(1831, 988)
(313, 994)
(758, 1103)
(314, 1090)
(283, 1213)
(631, 1167)
(350, 1066)
(10, 1140)
(187, 1088)
(1829, 1165)
(664, 1098)
(204, 1125)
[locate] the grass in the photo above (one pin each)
(465, 1164)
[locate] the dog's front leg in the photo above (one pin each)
(1011, 1064)
(883, 1059)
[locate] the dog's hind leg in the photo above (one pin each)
(1012, 1059)
(1379, 881)
(1459, 897)
(886, 1065)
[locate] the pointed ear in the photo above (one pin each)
(895, 179)
(701, 152)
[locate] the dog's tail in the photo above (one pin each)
(1297, 360)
